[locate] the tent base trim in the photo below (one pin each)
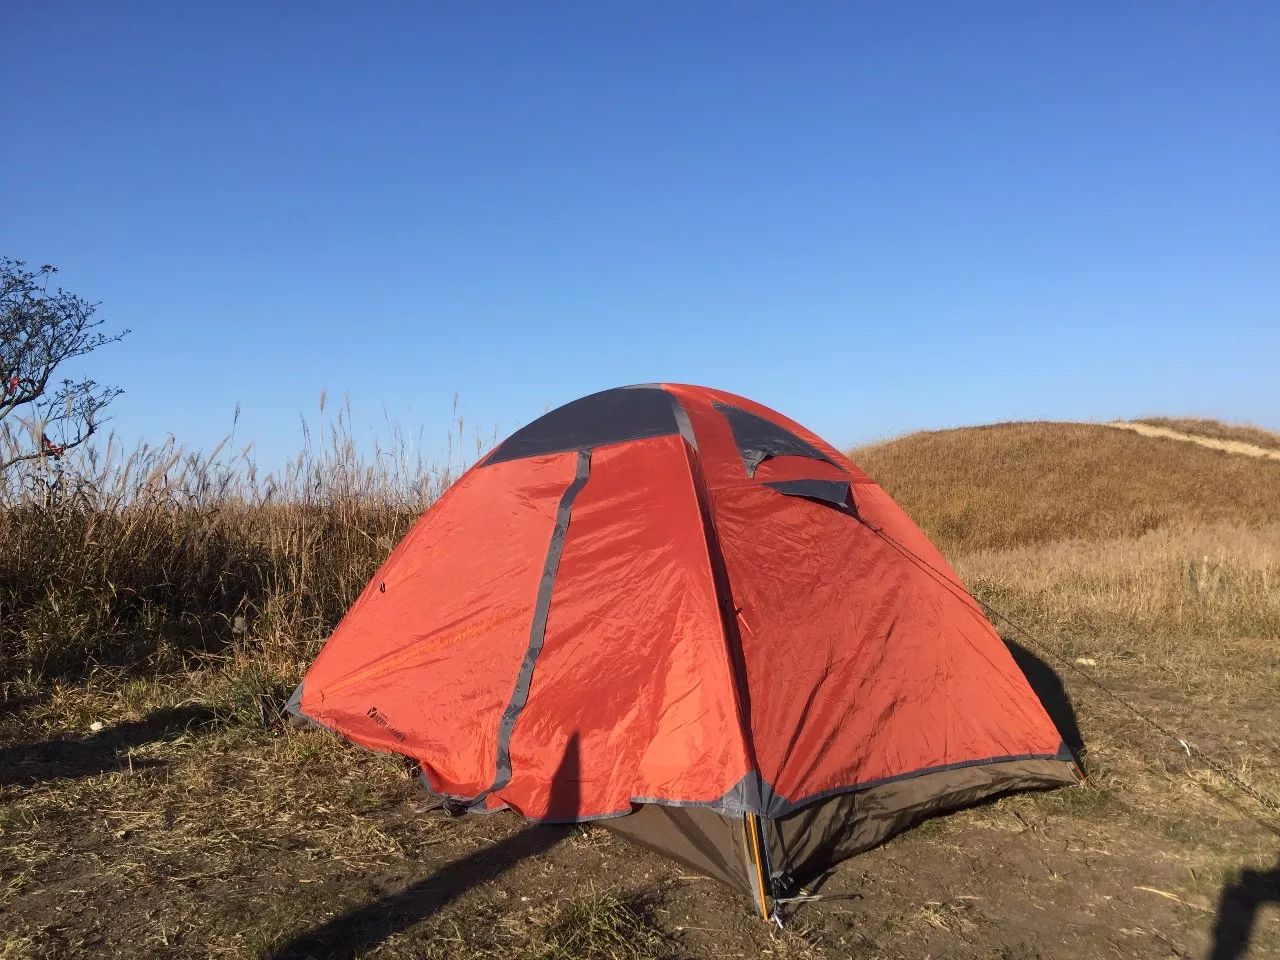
(804, 845)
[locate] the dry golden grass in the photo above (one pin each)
(1201, 586)
(156, 559)
(1021, 484)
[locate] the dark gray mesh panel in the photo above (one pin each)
(759, 439)
(834, 492)
(631, 413)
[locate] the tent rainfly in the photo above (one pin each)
(674, 611)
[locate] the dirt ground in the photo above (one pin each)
(169, 834)
(1214, 443)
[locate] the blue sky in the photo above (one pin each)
(874, 217)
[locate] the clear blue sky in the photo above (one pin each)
(874, 217)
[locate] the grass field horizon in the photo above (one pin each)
(156, 608)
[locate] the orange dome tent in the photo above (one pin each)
(758, 662)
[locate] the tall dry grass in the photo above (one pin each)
(161, 558)
(1212, 583)
(1197, 609)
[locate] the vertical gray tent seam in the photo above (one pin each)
(537, 631)
(682, 421)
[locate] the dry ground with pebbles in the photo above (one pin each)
(185, 827)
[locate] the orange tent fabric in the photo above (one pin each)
(707, 603)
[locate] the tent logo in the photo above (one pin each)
(373, 714)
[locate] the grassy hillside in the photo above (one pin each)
(1022, 484)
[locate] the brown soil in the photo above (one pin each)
(177, 837)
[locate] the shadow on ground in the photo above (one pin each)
(75, 758)
(1238, 909)
(1053, 696)
(357, 931)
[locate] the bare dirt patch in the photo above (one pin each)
(1205, 427)
(1227, 444)
(216, 841)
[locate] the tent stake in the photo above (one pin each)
(752, 824)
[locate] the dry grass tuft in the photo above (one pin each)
(599, 925)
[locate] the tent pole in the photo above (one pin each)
(752, 824)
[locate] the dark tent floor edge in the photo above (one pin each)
(803, 845)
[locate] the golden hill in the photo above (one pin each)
(1021, 484)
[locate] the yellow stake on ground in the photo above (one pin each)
(752, 824)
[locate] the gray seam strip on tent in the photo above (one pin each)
(682, 419)
(538, 631)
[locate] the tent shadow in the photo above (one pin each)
(359, 930)
(1048, 686)
(77, 758)
(1238, 909)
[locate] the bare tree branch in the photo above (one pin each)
(40, 330)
